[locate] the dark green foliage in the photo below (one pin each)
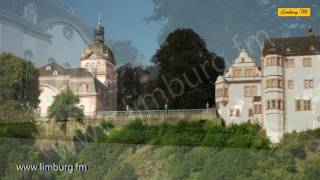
(193, 133)
(65, 106)
(19, 89)
(18, 130)
(187, 71)
(130, 86)
(127, 161)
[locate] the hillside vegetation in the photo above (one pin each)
(188, 150)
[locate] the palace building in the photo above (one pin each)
(95, 82)
(283, 96)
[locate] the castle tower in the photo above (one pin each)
(98, 59)
(273, 92)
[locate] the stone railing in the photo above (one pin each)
(161, 115)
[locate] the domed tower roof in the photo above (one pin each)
(97, 46)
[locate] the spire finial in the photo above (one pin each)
(99, 18)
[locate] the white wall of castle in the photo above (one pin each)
(237, 100)
(236, 97)
(277, 121)
(303, 120)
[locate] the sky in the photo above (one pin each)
(123, 20)
(222, 24)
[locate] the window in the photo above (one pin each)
(307, 105)
(274, 104)
(274, 83)
(290, 84)
(249, 72)
(290, 63)
(222, 92)
(55, 73)
(30, 13)
(303, 105)
(273, 61)
(307, 62)
(257, 108)
(269, 104)
(83, 87)
(237, 112)
(279, 104)
(308, 84)
(231, 112)
(279, 83)
(298, 105)
(250, 91)
(234, 112)
(250, 113)
(237, 72)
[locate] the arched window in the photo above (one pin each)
(83, 87)
(55, 73)
(30, 13)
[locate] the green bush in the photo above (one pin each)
(192, 133)
(18, 130)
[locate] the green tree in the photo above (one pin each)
(65, 106)
(187, 70)
(19, 88)
(130, 86)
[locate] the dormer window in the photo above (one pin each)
(55, 73)
(30, 13)
(48, 68)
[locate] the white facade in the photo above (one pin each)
(288, 87)
(237, 90)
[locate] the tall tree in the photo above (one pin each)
(130, 86)
(19, 87)
(65, 106)
(187, 71)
